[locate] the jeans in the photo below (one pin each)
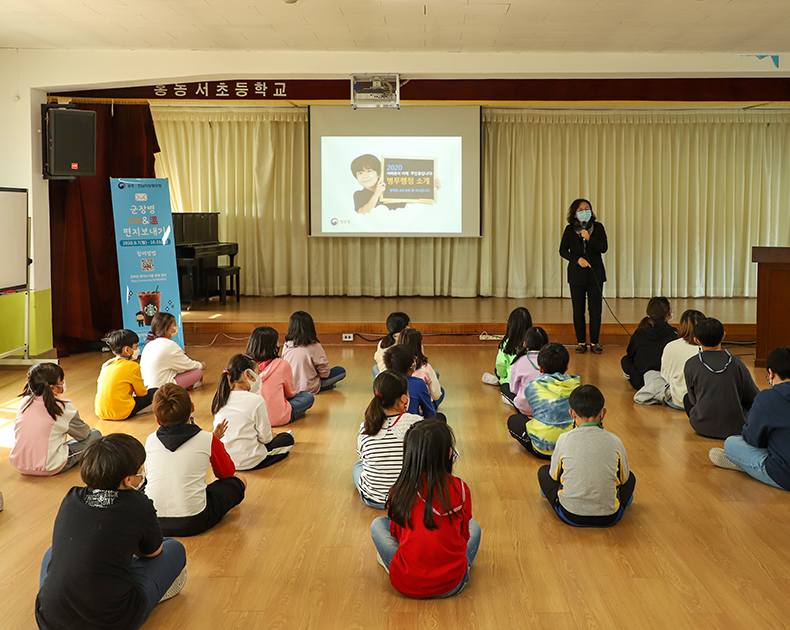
(336, 374)
(750, 458)
(671, 403)
(439, 400)
(356, 473)
(153, 575)
(77, 446)
(386, 546)
(300, 403)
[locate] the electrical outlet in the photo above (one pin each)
(348, 336)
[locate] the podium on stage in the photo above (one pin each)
(773, 300)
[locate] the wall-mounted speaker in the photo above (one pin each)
(69, 141)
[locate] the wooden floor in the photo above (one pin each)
(700, 547)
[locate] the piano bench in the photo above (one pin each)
(222, 273)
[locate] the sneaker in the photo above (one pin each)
(490, 379)
(597, 349)
(198, 384)
(176, 586)
(507, 401)
(581, 348)
(381, 562)
(718, 457)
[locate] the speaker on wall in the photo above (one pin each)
(69, 141)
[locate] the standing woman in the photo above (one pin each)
(583, 242)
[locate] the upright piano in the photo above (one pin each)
(196, 236)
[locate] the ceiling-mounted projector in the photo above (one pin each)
(375, 90)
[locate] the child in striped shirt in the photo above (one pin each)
(380, 441)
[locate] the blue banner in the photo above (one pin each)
(146, 253)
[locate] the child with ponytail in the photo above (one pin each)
(248, 439)
(45, 418)
(396, 323)
(429, 541)
(380, 441)
(412, 338)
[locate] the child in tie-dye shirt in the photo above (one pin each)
(548, 397)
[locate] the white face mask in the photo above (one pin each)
(142, 481)
(173, 331)
(256, 383)
(63, 393)
(135, 354)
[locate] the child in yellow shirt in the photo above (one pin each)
(121, 392)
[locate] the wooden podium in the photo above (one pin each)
(773, 300)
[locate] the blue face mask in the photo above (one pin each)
(584, 215)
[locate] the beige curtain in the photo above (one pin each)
(684, 197)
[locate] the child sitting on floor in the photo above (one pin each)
(307, 358)
(108, 566)
(648, 341)
(164, 361)
(763, 448)
(178, 455)
(429, 540)
(397, 322)
(284, 403)
(121, 392)
(721, 389)
(588, 482)
(548, 397)
(248, 439)
(380, 440)
(413, 338)
(525, 368)
(518, 323)
(400, 359)
(44, 421)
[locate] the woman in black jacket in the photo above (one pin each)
(583, 242)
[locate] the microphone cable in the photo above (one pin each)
(600, 289)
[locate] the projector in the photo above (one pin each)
(375, 90)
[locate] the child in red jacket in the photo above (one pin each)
(429, 541)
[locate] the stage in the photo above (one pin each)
(442, 320)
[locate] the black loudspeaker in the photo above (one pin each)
(69, 142)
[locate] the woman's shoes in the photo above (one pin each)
(597, 349)
(581, 348)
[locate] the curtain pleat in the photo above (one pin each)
(684, 196)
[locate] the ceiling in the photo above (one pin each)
(738, 26)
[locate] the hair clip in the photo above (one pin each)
(225, 371)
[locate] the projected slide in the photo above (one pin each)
(378, 184)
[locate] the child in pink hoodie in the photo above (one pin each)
(307, 358)
(284, 402)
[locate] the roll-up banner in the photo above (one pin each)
(146, 253)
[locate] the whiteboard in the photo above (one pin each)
(13, 238)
